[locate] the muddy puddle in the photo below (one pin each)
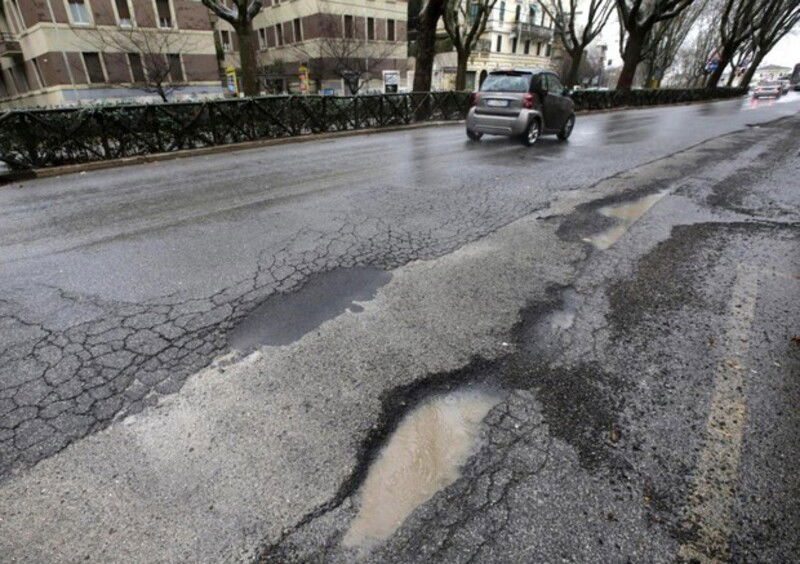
(423, 456)
(627, 214)
(284, 318)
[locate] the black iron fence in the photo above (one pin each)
(40, 138)
(50, 137)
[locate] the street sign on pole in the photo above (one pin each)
(391, 81)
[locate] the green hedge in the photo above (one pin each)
(605, 99)
(42, 138)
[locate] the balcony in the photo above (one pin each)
(9, 45)
(527, 30)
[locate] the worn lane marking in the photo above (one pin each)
(709, 508)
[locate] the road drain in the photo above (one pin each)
(628, 213)
(284, 318)
(423, 456)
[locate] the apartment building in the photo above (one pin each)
(312, 46)
(519, 34)
(67, 52)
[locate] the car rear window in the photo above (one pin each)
(506, 82)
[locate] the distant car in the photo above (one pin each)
(797, 87)
(523, 103)
(784, 86)
(768, 89)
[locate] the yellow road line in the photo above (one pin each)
(710, 503)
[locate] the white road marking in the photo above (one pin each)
(709, 509)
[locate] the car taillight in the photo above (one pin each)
(474, 98)
(528, 101)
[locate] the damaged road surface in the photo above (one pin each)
(478, 353)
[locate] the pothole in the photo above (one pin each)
(423, 456)
(285, 318)
(627, 214)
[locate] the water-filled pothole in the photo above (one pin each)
(423, 456)
(627, 214)
(284, 318)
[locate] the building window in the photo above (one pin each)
(94, 67)
(349, 30)
(538, 48)
(16, 17)
(279, 33)
(513, 44)
(499, 43)
(543, 17)
(78, 12)
(517, 13)
(39, 74)
(262, 38)
(3, 90)
(502, 12)
(123, 13)
(548, 50)
(175, 68)
(137, 69)
(225, 40)
(390, 30)
(298, 29)
(371, 29)
(528, 47)
(20, 80)
(164, 13)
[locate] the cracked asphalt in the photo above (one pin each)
(131, 428)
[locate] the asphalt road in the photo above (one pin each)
(381, 270)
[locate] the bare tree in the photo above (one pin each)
(737, 22)
(574, 30)
(465, 22)
(340, 53)
(153, 55)
(427, 21)
(240, 15)
(637, 19)
(777, 18)
(663, 42)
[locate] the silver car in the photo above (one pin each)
(524, 103)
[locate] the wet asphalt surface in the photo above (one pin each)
(119, 285)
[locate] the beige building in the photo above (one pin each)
(518, 35)
(331, 38)
(66, 52)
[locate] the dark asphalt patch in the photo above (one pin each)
(283, 319)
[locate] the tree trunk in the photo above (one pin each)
(461, 69)
(731, 76)
(574, 69)
(426, 45)
(160, 92)
(631, 58)
(249, 58)
(724, 59)
(751, 71)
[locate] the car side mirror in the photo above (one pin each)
(566, 92)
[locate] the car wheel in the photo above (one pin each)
(531, 135)
(474, 135)
(566, 131)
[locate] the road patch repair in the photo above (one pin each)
(577, 433)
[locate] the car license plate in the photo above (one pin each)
(497, 103)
